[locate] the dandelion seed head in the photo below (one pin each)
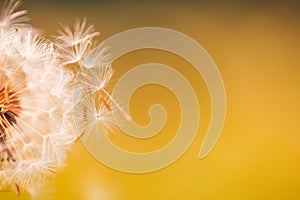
(31, 121)
(51, 92)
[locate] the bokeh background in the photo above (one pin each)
(256, 47)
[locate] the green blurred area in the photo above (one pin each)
(256, 46)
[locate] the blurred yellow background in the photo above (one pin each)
(256, 47)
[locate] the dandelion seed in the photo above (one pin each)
(97, 57)
(9, 15)
(74, 44)
(81, 33)
(95, 78)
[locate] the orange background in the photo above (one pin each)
(256, 47)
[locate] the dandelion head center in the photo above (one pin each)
(9, 107)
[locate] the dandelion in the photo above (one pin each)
(43, 84)
(30, 114)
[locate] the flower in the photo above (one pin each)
(51, 92)
(32, 116)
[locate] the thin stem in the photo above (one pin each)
(125, 114)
